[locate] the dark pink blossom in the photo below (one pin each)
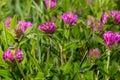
(104, 18)
(50, 3)
(70, 18)
(19, 55)
(24, 25)
(48, 27)
(116, 37)
(111, 38)
(12, 55)
(8, 55)
(115, 15)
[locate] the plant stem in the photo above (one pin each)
(25, 78)
(61, 56)
(39, 49)
(97, 75)
(83, 58)
(108, 62)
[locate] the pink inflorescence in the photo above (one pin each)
(50, 3)
(19, 55)
(9, 55)
(115, 15)
(111, 38)
(48, 27)
(8, 21)
(104, 18)
(24, 25)
(70, 18)
(94, 53)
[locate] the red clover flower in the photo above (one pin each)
(11, 55)
(50, 3)
(104, 18)
(116, 16)
(111, 38)
(24, 25)
(70, 18)
(48, 27)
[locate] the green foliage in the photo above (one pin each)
(63, 55)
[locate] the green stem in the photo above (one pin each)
(83, 58)
(108, 63)
(25, 78)
(97, 75)
(39, 52)
(61, 52)
(47, 60)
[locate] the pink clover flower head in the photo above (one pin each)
(111, 38)
(8, 21)
(50, 3)
(24, 25)
(48, 27)
(94, 53)
(19, 55)
(113, 13)
(116, 16)
(9, 55)
(116, 37)
(70, 18)
(104, 18)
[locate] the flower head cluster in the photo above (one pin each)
(94, 53)
(24, 25)
(12, 55)
(111, 38)
(48, 27)
(115, 15)
(19, 55)
(7, 22)
(95, 26)
(104, 18)
(50, 3)
(70, 18)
